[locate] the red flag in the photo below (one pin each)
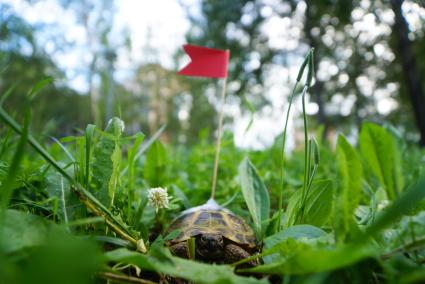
(206, 62)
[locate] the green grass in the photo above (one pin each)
(75, 210)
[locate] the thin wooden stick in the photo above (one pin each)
(218, 144)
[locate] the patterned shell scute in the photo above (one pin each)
(213, 221)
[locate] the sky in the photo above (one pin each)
(162, 25)
(164, 19)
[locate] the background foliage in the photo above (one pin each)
(81, 190)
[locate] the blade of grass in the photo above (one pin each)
(68, 154)
(251, 114)
(132, 173)
(306, 156)
(65, 213)
(38, 87)
(7, 187)
(7, 94)
(89, 134)
(4, 144)
(146, 146)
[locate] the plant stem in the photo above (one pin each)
(282, 173)
(300, 213)
(282, 166)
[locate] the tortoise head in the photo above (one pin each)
(210, 246)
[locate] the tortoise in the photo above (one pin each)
(220, 235)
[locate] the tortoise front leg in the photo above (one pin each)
(234, 253)
(180, 249)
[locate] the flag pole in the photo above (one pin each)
(218, 143)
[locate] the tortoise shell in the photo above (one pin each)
(211, 218)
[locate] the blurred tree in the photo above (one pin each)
(233, 25)
(408, 61)
(354, 45)
(157, 90)
(314, 30)
(23, 63)
(97, 19)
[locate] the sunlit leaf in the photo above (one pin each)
(379, 150)
(256, 196)
(307, 259)
(318, 205)
(294, 232)
(163, 262)
(349, 188)
(106, 161)
(154, 168)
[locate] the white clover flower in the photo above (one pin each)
(158, 198)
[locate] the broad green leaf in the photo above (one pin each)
(84, 195)
(36, 250)
(256, 196)
(379, 151)
(22, 231)
(318, 205)
(400, 147)
(154, 168)
(180, 195)
(59, 187)
(106, 161)
(293, 232)
(163, 262)
(305, 259)
(401, 206)
(349, 188)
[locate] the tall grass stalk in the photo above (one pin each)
(309, 146)
(282, 167)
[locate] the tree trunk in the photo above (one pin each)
(410, 70)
